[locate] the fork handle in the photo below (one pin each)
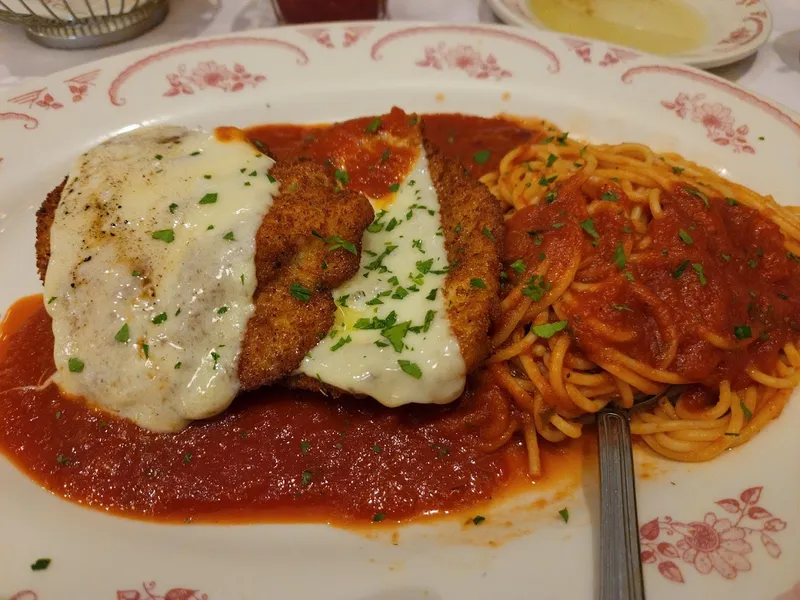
(620, 561)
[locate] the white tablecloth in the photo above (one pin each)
(773, 72)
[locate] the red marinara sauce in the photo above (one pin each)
(276, 454)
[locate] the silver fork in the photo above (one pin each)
(620, 560)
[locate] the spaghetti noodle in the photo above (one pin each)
(628, 271)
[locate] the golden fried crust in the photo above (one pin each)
(44, 219)
(284, 328)
(472, 221)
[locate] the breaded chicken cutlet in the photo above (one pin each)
(472, 224)
(290, 251)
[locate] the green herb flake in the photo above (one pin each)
(172, 208)
(564, 514)
(377, 449)
(685, 237)
(481, 156)
(410, 368)
(340, 343)
(177, 365)
(158, 319)
(164, 235)
(378, 517)
(545, 181)
(742, 332)
(123, 335)
(335, 242)
(551, 160)
(432, 294)
(588, 227)
(41, 564)
(519, 266)
(300, 292)
(64, 461)
(621, 307)
(679, 271)
(229, 236)
(477, 283)
(75, 365)
(699, 194)
(394, 187)
(698, 268)
(373, 126)
(485, 231)
(747, 413)
(619, 256)
(210, 198)
(385, 155)
(678, 170)
(609, 196)
(187, 458)
(548, 330)
(478, 520)
(304, 446)
(343, 177)
(146, 350)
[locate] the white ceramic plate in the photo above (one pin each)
(719, 530)
(736, 28)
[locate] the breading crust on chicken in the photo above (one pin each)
(290, 251)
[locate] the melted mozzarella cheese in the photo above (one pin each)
(152, 272)
(392, 338)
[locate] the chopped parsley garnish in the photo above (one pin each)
(478, 520)
(429, 316)
(752, 263)
(432, 294)
(678, 170)
(300, 292)
(564, 514)
(271, 178)
(535, 288)
(477, 283)
(619, 256)
(545, 181)
(610, 196)
(373, 126)
(747, 414)
(158, 319)
(41, 564)
(547, 140)
(195, 153)
(378, 517)
(588, 227)
(334, 242)
(394, 187)
(306, 477)
(550, 160)
(392, 224)
(222, 310)
(558, 225)
(458, 228)
(424, 266)
(400, 293)
(481, 156)
(75, 365)
(374, 302)
(123, 335)
(64, 461)
(548, 330)
(58, 415)
(377, 449)
(537, 237)
(210, 198)
(177, 365)
(698, 268)
(343, 177)
(146, 350)
(385, 155)
(485, 231)
(731, 202)
(164, 235)
(229, 236)
(742, 332)
(699, 194)
(519, 266)
(172, 207)
(377, 264)
(410, 368)
(159, 157)
(304, 446)
(685, 237)
(51, 300)
(395, 334)
(376, 225)
(621, 307)
(341, 342)
(679, 271)
(725, 257)
(562, 139)
(187, 458)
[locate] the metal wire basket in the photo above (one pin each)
(73, 24)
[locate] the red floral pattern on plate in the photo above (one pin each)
(116, 85)
(738, 93)
(554, 65)
(79, 85)
(747, 2)
(744, 34)
(717, 543)
(148, 593)
(30, 122)
(210, 74)
(41, 98)
(792, 594)
(715, 117)
(322, 35)
(583, 50)
(463, 57)
(24, 595)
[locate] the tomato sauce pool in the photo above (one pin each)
(276, 454)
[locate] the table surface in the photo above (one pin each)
(773, 72)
